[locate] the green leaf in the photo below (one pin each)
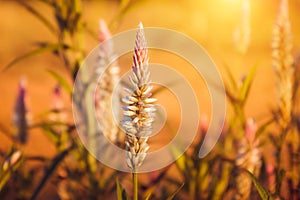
(38, 15)
(263, 127)
(263, 193)
(233, 85)
(42, 49)
(109, 180)
(244, 91)
(149, 193)
(8, 166)
(63, 82)
(121, 193)
(49, 170)
(180, 162)
(175, 192)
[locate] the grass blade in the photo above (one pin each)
(232, 81)
(121, 193)
(38, 15)
(263, 193)
(244, 91)
(175, 192)
(43, 49)
(55, 162)
(64, 84)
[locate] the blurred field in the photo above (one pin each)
(210, 23)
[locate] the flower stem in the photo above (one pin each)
(135, 186)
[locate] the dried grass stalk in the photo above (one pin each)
(138, 110)
(106, 87)
(283, 63)
(248, 157)
(242, 32)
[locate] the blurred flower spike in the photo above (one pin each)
(22, 115)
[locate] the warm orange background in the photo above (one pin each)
(211, 23)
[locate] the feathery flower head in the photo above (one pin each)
(248, 157)
(138, 110)
(105, 88)
(283, 63)
(106, 49)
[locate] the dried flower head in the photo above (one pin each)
(242, 32)
(107, 86)
(138, 110)
(248, 157)
(283, 63)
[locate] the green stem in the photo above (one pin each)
(135, 186)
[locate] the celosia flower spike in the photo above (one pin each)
(138, 110)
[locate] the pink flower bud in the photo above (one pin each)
(250, 130)
(204, 123)
(104, 32)
(57, 103)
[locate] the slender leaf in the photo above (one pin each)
(49, 171)
(264, 194)
(38, 15)
(8, 166)
(43, 49)
(149, 193)
(121, 193)
(175, 192)
(63, 82)
(232, 81)
(244, 91)
(181, 161)
(263, 127)
(148, 196)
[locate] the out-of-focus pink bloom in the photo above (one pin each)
(204, 123)
(106, 49)
(57, 103)
(104, 32)
(270, 169)
(58, 106)
(154, 176)
(250, 130)
(21, 115)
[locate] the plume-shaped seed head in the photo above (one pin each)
(283, 63)
(139, 109)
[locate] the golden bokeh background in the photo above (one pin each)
(210, 23)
